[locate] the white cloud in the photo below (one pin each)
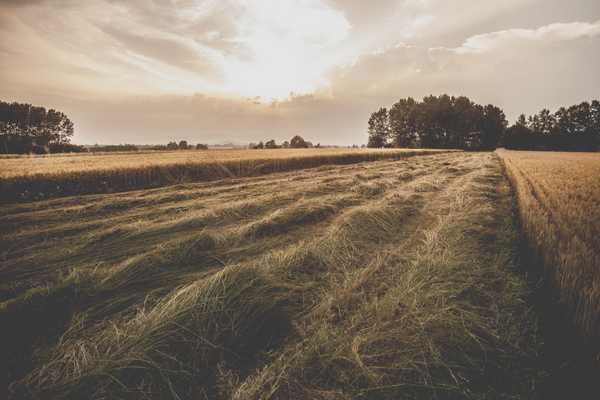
(508, 68)
(128, 69)
(287, 40)
(265, 47)
(520, 41)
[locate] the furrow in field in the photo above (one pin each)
(139, 225)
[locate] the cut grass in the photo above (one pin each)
(338, 282)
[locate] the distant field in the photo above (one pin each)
(76, 162)
(386, 279)
(37, 177)
(559, 203)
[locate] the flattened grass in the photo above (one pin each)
(339, 282)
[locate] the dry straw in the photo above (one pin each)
(38, 177)
(559, 196)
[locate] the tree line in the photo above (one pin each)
(576, 128)
(183, 145)
(25, 128)
(446, 122)
(297, 142)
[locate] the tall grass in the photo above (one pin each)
(173, 349)
(35, 178)
(559, 199)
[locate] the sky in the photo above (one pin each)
(206, 71)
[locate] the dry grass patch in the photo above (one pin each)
(39, 177)
(322, 283)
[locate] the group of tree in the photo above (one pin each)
(297, 142)
(442, 122)
(446, 122)
(183, 145)
(576, 128)
(25, 128)
(114, 147)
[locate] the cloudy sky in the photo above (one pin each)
(153, 71)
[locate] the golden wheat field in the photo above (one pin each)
(38, 177)
(76, 162)
(559, 203)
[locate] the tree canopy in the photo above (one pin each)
(437, 122)
(379, 129)
(576, 128)
(25, 128)
(446, 122)
(298, 143)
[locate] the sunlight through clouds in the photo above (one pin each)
(135, 69)
(241, 47)
(287, 40)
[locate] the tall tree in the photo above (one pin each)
(582, 137)
(542, 125)
(378, 129)
(432, 129)
(464, 124)
(494, 126)
(519, 136)
(24, 127)
(403, 117)
(594, 128)
(298, 143)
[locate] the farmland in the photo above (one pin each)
(559, 199)
(395, 278)
(25, 178)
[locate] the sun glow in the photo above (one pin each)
(287, 45)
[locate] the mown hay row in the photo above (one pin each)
(342, 282)
(559, 196)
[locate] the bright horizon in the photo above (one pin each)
(154, 71)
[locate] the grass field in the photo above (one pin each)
(386, 279)
(75, 162)
(34, 177)
(559, 203)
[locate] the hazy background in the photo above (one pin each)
(153, 71)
